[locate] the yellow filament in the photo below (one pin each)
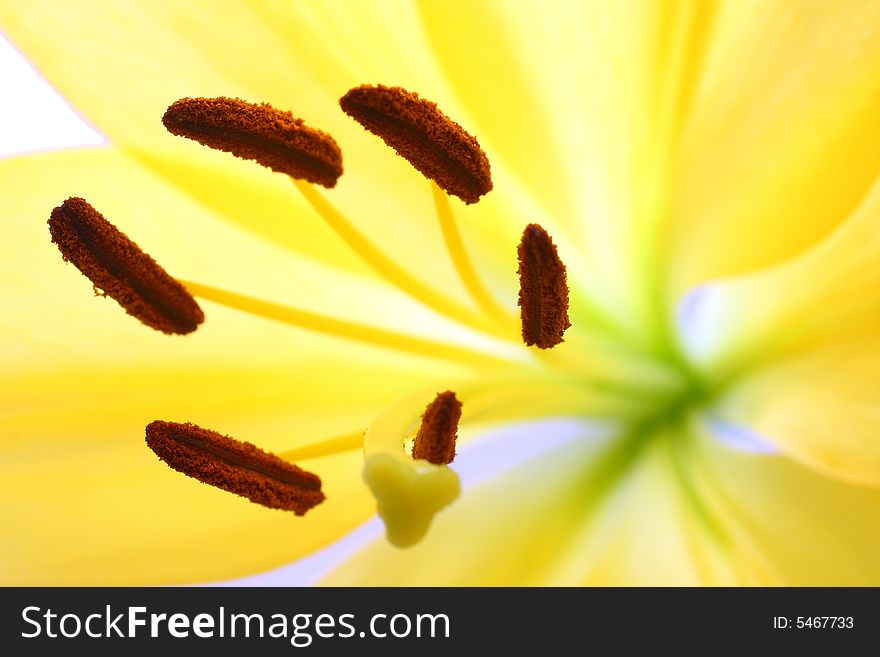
(462, 262)
(325, 447)
(393, 273)
(342, 328)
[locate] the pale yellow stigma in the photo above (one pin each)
(409, 492)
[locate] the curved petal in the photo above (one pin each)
(782, 141)
(825, 295)
(172, 52)
(820, 408)
(797, 347)
(797, 527)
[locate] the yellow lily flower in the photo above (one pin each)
(708, 172)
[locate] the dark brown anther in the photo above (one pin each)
(234, 466)
(433, 143)
(543, 291)
(119, 269)
(262, 133)
(435, 441)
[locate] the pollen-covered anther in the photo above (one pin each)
(438, 147)
(543, 290)
(435, 440)
(271, 137)
(234, 466)
(118, 268)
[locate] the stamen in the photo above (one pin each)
(435, 441)
(543, 291)
(462, 262)
(262, 133)
(234, 466)
(344, 329)
(326, 447)
(429, 140)
(116, 266)
(390, 270)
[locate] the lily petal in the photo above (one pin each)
(819, 408)
(757, 175)
(795, 526)
(827, 294)
(120, 516)
(797, 346)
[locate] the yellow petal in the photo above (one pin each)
(797, 344)
(172, 52)
(797, 527)
(825, 295)
(650, 530)
(86, 502)
(782, 141)
(820, 408)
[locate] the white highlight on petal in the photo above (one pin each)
(739, 438)
(700, 328)
(478, 461)
(512, 445)
(688, 314)
(33, 117)
(309, 570)
(688, 310)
